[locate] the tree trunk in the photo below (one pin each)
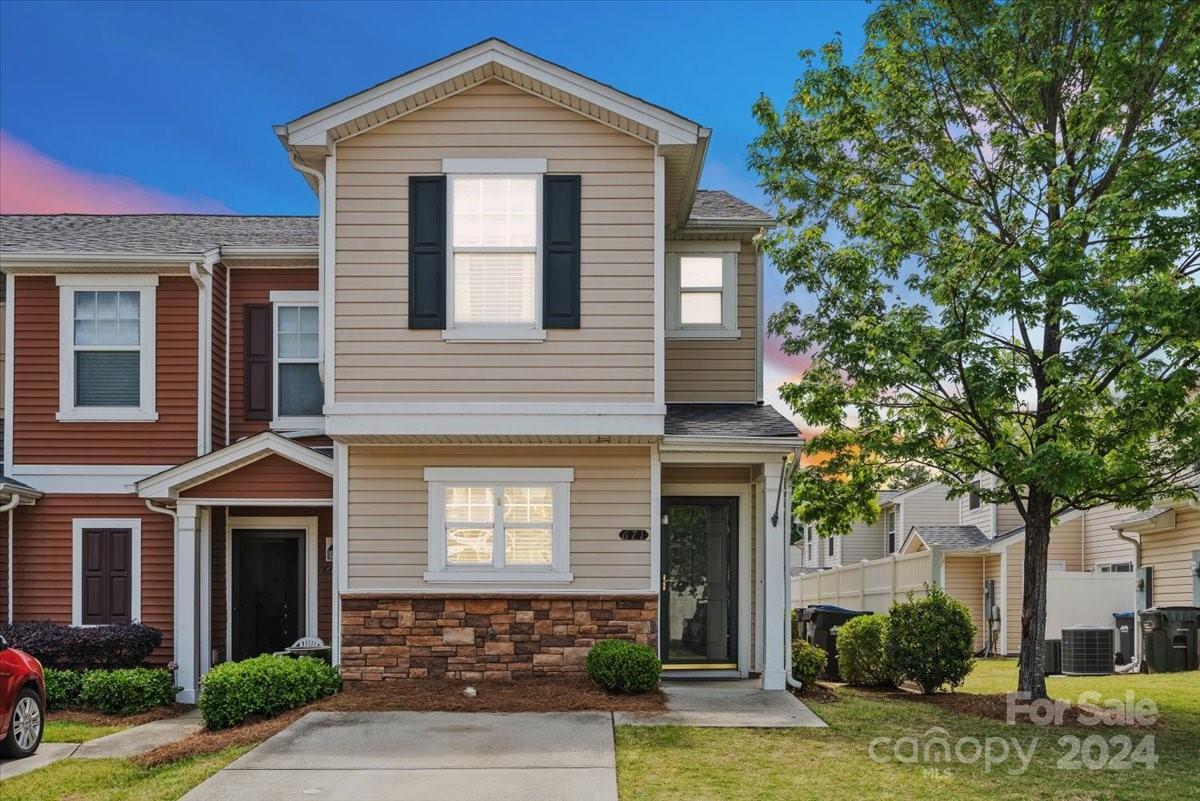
(1031, 677)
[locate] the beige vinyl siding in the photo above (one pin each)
(1008, 518)
(707, 474)
(1169, 553)
(1100, 542)
(720, 369)
(925, 506)
(388, 507)
(1066, 544)
(964, 582)
(1011, 606)
(610, 358)
(864, 542)
(981, 517)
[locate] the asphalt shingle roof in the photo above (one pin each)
(953, 537)
(150, 233)
(717, 204)
(727, 420)
(11, 484)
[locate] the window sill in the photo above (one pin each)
(298, 424)
(494, 335)
(704, 333)
(100, 415)
(498, 576)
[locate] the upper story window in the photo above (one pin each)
(499, 524)
(973, 496)
(702, 290)
(296, 372)
(106, 348)
(494, 221)
(889, 527)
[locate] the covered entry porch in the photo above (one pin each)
(253, 552)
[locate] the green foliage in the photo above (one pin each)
(993, 216)
(127, 691)
(862, 652)
(808, 661)
(234, 692)
(63, 688)
(623, 666)
(930, 640)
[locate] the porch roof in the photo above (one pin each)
(727, 420)
(10, 487)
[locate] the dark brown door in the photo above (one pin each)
(268, 595)
(107, 580)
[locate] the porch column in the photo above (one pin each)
(775, 543)
(187, 606)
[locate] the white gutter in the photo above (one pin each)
(202, 276)
(8, 506)
(322, 279)
(786, 482)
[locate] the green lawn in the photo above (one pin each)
(835, 763)
(67, 731)
(115, 779)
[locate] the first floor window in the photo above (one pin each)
(515, 523)
(106, 348)
(1115, 567)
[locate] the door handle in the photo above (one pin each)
(666, 580)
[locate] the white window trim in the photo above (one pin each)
(558, 479)
(728, 252)
(146, 285)
(292, 298)
(490, 332)
(134, 524)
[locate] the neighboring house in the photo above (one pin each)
(502, 398)
(898, 512)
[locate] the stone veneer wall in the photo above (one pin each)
(471, 638)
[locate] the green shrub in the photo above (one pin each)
(127, 691)
(862, 652)
(808, 662)
(930, 640)
(623, 666)
(63, 688)
(265, 685)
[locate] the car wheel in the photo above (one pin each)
(25, 730)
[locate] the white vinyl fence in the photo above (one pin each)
(1077, 599)
(871, 586)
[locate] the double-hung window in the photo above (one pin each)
(494, 225)
(889, 525)
(298, 391)
(106, 348)
(499, 524)
(702, 290)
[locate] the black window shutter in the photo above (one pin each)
(427, 251)
(561, 198)
(259, 349)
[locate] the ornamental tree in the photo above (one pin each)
(990, 218)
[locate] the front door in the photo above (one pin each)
(699, 582)
(267, 593)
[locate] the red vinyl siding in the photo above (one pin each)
(248, 286)
(39, 439)
(42, 559)
(270, 477)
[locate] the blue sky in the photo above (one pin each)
(178, 99)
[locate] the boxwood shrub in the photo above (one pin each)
(862, 652)
(930, 640)
(234, 692)
(623, 666)
(808, 662)
(127, 691)
(124, 645)
(63, 688)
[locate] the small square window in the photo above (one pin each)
(702, 291)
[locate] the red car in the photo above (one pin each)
(22, 702)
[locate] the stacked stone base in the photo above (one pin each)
(473, 638)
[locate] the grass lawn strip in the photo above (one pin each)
(79, 726)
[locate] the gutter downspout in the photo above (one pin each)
(786, 481)
(1135, 664)
(321, 261)
(202, 276)
(8, 506)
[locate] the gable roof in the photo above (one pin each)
(152, 234)
(717, 204)
(952, 538)
(490, 59)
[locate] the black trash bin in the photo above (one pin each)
(1125, 633)
(1171, 638)
(819, 627)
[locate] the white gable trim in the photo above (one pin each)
(169, 483)
(313, 129)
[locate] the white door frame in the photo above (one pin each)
(745, 537)
(309, 525)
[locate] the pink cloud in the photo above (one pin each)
(33, 183)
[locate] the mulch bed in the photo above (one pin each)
(100, 719)
(421, 695)
(818, 692)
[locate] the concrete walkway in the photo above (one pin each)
(140, 739)
(427, 756)
(724, 704)
(47, 754)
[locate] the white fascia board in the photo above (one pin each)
(313, 129)
(167, 482)
(496, 424)
(678, 443)
(83, 479)
(80, 262)
(268, 252)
